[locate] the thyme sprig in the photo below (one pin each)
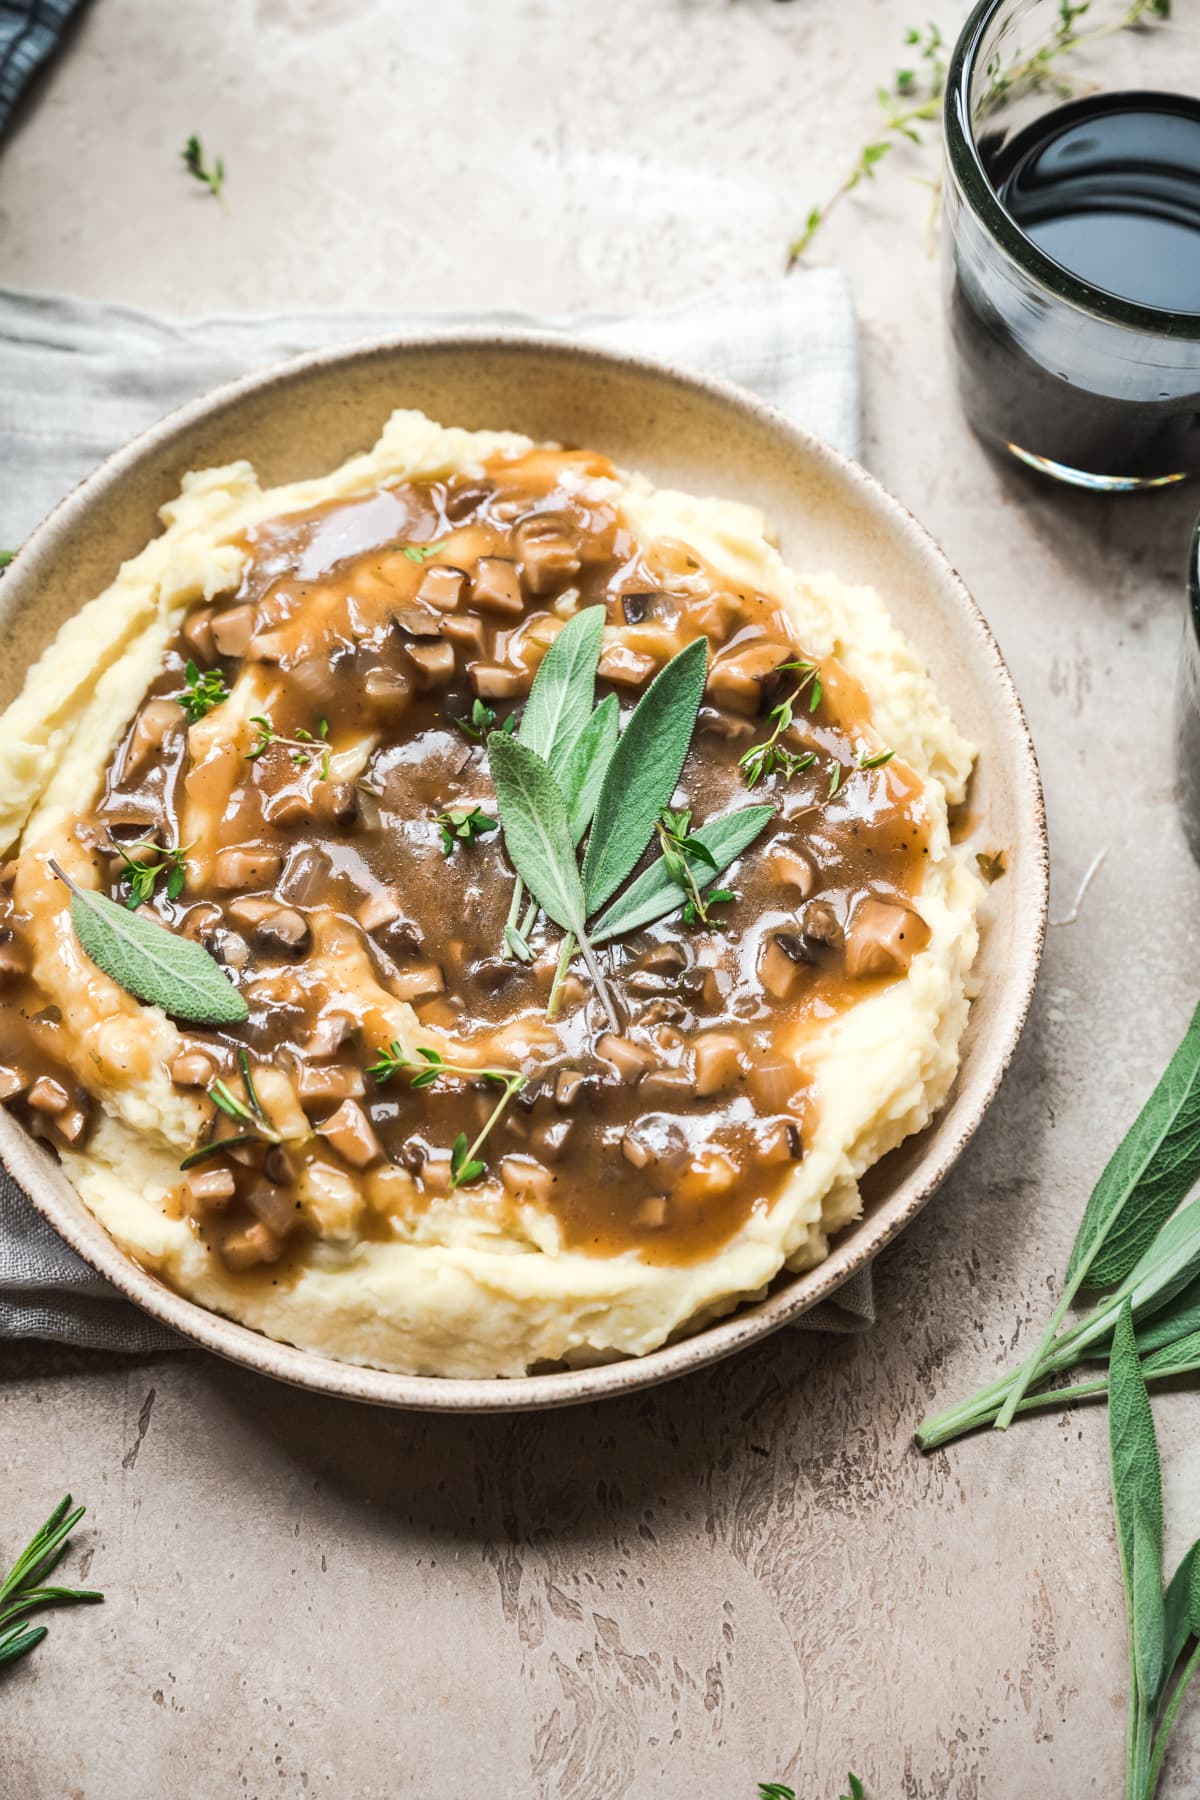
(421, 553)
(466, 1165)
(25, 1590)
(143, 873)
(304, 747)
(679, 843)
(771, 757)
(212, 176)
(479, 721)
(914, 98)
(201, 692)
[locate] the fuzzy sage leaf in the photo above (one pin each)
(643, 773)
(151, 963)
(656, 893)
(586, 764)
(1177, 1605)
(537, 831)
(1136, 1474)
(560, 700)
(1151, 1170)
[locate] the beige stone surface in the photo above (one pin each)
(751, 1574)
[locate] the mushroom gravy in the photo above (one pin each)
(306, 802)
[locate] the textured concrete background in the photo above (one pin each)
(748, 1575)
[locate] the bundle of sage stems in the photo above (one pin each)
(1138, 1248)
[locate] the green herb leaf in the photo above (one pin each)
(1179, 1318)
(1177, 1604)
(151, 963)
(643, 773)
(24, 1588)
(465, 823)
(479, 720)
(421, 553)
(214, 177)
(537, 831)
(1136, 1475)
(560, 700)
(586, 764)
(1178, 1358)
(1149, 1173)
(655, 893)
(1147, 1604)
(201, 693)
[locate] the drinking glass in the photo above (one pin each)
(1073, 380)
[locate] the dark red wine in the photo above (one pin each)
(1109, 189)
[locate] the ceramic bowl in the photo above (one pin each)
(306, 416)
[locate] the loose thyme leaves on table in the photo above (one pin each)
(26, 1589)
(914, 98)
(212, 176)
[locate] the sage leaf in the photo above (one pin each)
(1194, 1591)
(1168, 1267)
(560, 700)
(1177, 1623)
(1179, 1318)
(152, 963)
(586, 764)
(1147, 1609)
(537, 831)
(1136, 1474)
(1149, 1173)
(656, 893)
(1178, 1358)
(643, 773)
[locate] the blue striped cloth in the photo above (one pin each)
(30, 31)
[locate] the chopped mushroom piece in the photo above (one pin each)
(197, 634)
(636, 1151)
(272, 925)
(738, 678)
(318, 1085)
(494, 681)
(630, 1060)
(819, 922)
(714, 721)
(12, 1081)
(666, 1084)
(387, 691)
(192, 1069)
(13, 961)
(776, 1141)
(250, 866)
(781, 962)
(233, 629)
(653, 607)
(256, 1244)
(352, 1135)
(329, 1033)
(664, 959)
(156, 719)
(416, 622)
(442, 586)
(774, 1083)
(379, 908)
(497, 587)
(651, 1213)
(526, 1178)
(210, 1187)
(467, 631)
(625, 666)
(883, 939)
(416, 980)
(432, 662)
(548, 547)
(568, 1085)
(551, 1137)
(792, 868)
(718, 1062)
(48, 1095)
(67, 1127)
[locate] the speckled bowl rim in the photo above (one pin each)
(38, 1173)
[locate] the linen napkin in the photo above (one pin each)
(30, 31)
(78, 378)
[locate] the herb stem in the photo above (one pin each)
(560, 974)
(511, 1087)
(598, 981)
(510, 924)
(1029, 1370)
(1166, 1723)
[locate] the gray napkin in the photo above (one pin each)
(30, 31)
(78, 378)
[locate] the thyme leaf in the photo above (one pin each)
(463, 824)
(212, 176)
(201, 693)
(430, 1065)
(304, 747)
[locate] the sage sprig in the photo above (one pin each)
(1160, 1625)
(152, 963)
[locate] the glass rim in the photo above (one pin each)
(966, 165)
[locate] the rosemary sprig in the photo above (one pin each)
(464, 824)
(201, 692)
(466, 1164)
(143, 873)
(771, 757)
(304, 747)
(212, 177)
(24, 1588)
(256, 1127)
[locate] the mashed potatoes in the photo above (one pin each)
(392, 1266)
